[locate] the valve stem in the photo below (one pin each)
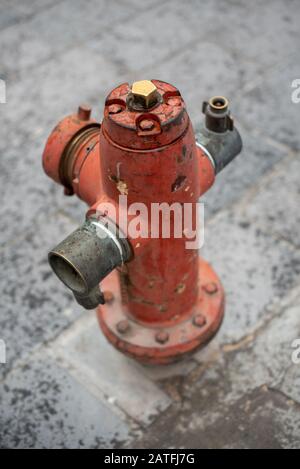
(218, 137)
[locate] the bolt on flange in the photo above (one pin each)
(199, 320)
(123, 326)
(211, 288)
(162, 337)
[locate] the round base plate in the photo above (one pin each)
(140, 341)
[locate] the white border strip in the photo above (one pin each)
(111, 236)
(207, 154)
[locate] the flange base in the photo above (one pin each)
(151, 344)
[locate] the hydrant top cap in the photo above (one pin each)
(147, 114)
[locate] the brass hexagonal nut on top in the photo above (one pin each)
(144, 93)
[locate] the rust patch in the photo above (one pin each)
(178, 183)
(180, 288)
(181, 158)
(121, 185)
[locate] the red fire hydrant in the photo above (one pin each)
(160, 301)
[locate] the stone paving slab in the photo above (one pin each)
(15, 12)
(96, 364)
(272, 110)
(264, 357)
(26, 191)
(33, 42)
(278, 200)
(34, 306)
(145, 42)
(260, 419)
(244, 399)
(55, 89)
(256, 269)
(42, 406)
(245, 171)
(262, 32)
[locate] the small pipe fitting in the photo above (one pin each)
(217, 115)
(218, 137)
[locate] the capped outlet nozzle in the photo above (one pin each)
(86, 257)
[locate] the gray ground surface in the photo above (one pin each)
(63, 386)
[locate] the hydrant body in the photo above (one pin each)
(161, 300)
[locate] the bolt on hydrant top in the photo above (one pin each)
(146, 115)
(145, 93)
